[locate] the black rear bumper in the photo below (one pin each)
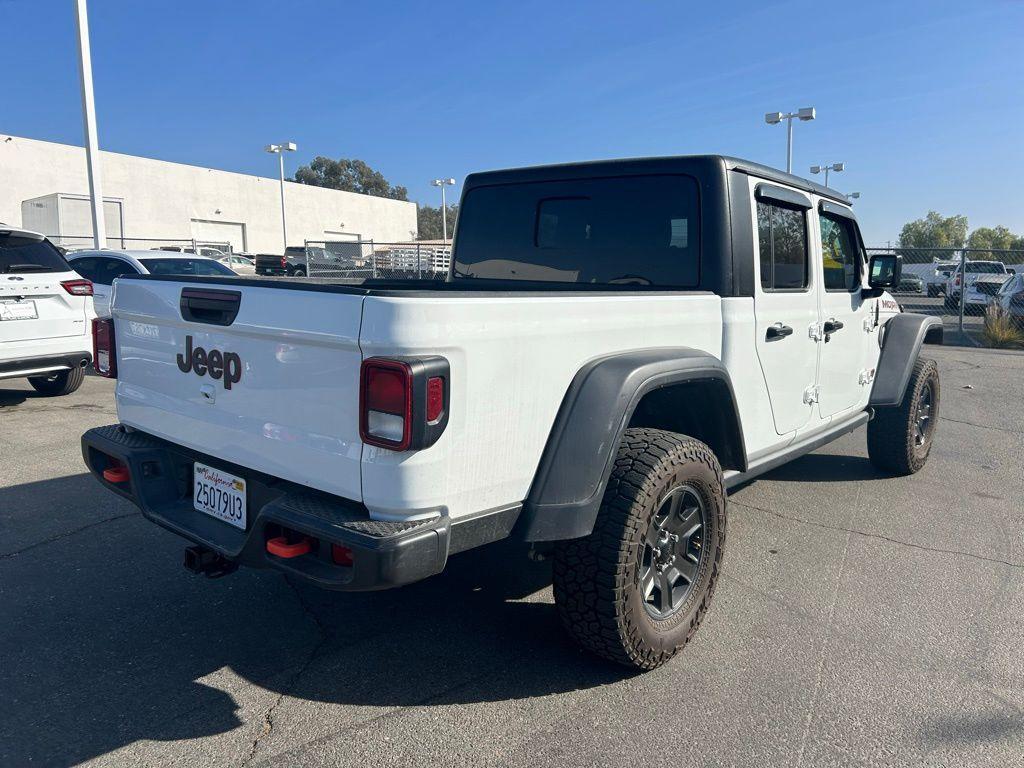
(383, 554)
(69, 360)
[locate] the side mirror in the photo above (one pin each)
(1011, 270)
(884, 271)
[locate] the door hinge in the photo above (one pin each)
(815, 332)
(811, 395)
(866, 376)
(869, 324)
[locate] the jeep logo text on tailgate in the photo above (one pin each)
(215, 363)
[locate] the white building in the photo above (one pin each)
(44, 185)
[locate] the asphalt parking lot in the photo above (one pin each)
(860, 621)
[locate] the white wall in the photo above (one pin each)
(161, 199)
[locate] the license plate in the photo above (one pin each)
(219, 494)
(18, 310)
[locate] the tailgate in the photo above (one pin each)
(35, 306)
(276, 387)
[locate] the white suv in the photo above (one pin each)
(45, 314)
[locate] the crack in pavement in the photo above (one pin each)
(395, 711)
(982, 426)
(268, 716)
(65, 534)
(870, 535)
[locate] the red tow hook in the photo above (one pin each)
(279, 546)
(116, 472)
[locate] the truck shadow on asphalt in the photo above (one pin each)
(107, 641)
(826, 468)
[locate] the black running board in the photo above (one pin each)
(790, 452)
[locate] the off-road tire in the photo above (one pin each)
(57, 384)
(596, 578)
(299, 272)
(892, 447)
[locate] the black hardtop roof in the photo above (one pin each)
(693, 164)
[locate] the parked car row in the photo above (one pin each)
(979, 281)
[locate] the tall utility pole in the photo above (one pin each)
(774, 118)
(444, 205)
(92, 146)
(279, 150)
(837, 167)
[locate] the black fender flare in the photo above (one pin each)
(902, 338)
(574, 468)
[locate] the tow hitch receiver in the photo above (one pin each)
(208, 563)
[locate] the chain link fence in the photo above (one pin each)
(354, 259)
(934, 281)
(182, 245)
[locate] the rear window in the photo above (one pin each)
(185, 267)
(29, 254)
(985, 268)
(635, 230)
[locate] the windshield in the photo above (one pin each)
(986, 268)
(19, 253)
(199, 266)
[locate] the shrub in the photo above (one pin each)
(1001, 330)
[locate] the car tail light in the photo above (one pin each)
(104, 348)
(957, 280)
(403, 403)
(77, 287)
(284, 262)
(386, 410)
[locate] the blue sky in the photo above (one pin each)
(923, 101)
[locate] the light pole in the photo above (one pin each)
(92, 146)
(442, 183)
(279, 150)
(837, 167)
(774, 118)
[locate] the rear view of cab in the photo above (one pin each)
(45, 314)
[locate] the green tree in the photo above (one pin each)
(996, 238)
(428, 221)
(348, 176)
(934, 231)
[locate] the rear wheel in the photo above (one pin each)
(900, 437)
(299, 272)
(59, 383)
(635, 590)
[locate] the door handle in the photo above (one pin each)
(777, 331)
(832, 325)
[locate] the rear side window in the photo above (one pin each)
(200, 266)
(840, 255)
(782, 242)
(29, 254)
(635, 230)
(102, 270)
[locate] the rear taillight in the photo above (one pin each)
(284, 262)
(104, 349)
(957, 281)
(77, 287)
(403, 403)
(386, 410)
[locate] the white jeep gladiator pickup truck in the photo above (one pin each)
(617, 344)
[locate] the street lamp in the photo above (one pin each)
(774, 118)
(92, 146)
(279, 150)
(837, 167)
(442, 183)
